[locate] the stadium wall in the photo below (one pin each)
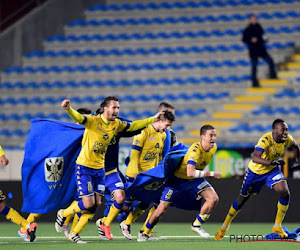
(29, 32)
(261, 208)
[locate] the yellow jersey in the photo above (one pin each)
(146, 152)
(196, 156)
(271, 151)
(2, 196)
(1, 151)
(98, 135)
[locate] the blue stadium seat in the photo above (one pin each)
(126, 83)
(166, 35)
(131, 66)
(180, 5)
(129, 98)
(153, 50)
(182, 19)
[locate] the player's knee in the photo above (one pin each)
(120, 198)
(89, 204)
(213, 200)
(125, 209)
(285, 194)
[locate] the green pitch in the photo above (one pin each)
(178, 237)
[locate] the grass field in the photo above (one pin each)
(178, 236)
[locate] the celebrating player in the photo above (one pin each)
(147, 151)
(99, 131)
(190, 179)
(264, 169)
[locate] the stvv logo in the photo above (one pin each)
(54, 168)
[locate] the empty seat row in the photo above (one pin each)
(182, 5)
(168, 35)
(154, 50)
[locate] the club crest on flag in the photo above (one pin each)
(54, 168)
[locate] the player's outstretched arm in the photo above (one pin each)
(76, 116)
(135, 125)
(256, 158)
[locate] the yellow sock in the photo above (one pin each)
(281, 211)
(71, 210)
(148, 217)
(201, 218)
(133, 216)
(16, 218)
(230, 216)
(113, 213)
(103, 220)
(31, 218)
(83, 221)
(148, 231)
(75, 222)
(68, 219)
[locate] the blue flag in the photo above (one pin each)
(48, 169)
(149, 185)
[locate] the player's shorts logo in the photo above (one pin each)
(277, 177)
(119, 185)
(203, 185)
(54, 169)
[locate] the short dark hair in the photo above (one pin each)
(252, 15)
(107, 100)
(168, 115)
(84, 111)
(276, 122)
(204, 128)
(165, 105)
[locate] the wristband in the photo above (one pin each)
(211, 173)
(199, 174)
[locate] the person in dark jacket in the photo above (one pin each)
(253, 37)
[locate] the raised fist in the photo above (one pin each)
(66, 104)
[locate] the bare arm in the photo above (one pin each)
(256, 158)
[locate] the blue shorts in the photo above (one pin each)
(89, 181)
(253, 182)
(178, 186)
(113, 182)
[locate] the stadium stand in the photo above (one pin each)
(188, 53)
